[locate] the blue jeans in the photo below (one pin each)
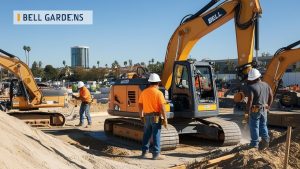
(258, 127)
(85, 109)
(151, 129)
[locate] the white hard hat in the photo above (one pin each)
(253, 74)
(80, 84)
(154, 78)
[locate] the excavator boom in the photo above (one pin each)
(22, 71)
(282, 59)
(203, 22)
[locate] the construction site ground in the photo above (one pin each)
(190, 150)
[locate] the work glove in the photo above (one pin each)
(165, 123)
(246, 118)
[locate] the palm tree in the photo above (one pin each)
(98, 62)
(130, 62)
(64, 63)
(106, 65)
(115, 64)
(28, 50)
(25, 50)
(40, 64)
(152, 60)
(125, 63)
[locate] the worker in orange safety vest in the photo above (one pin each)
(86, 99)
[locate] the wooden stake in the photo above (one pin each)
(287, 147)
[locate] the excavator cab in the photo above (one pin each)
(193, 90)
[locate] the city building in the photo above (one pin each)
(80, 56)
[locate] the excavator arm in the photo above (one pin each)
(32, 97)
(282, 59)
(33, 94)
(203, 22)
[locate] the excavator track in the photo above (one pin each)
(229, 132)
(133, 129)
(40, 119)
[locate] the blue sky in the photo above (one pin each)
(136, 30)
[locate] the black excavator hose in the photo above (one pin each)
(201, 11)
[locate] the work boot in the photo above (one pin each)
(263, 144)
(79, 125)
(144, 154)
(158, 157)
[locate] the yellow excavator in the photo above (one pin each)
(276, 68)
(191, 109)
(26, 96)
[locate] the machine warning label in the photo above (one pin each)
(214, 16)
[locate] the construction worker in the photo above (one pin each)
(86, 99)
(153, 115)
(201, 82)
(260, 98)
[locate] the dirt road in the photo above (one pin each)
(93, 140)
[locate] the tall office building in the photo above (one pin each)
(80, 56)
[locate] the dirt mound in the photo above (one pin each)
(270, 158)
(24, 147)
(273, 157)
(117, 151)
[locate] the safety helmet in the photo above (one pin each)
(253, 74)
(80, 84)
(154, 78)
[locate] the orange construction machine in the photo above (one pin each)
(191, 109)
(26, 96)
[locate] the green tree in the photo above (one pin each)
(217, 68)
(64, 63)
(25, 50)
(115, 64)
(98, 62)
(130, 62)
(40, 64)
(156, 68)
(125, 63)
(230, 66)
(36, 70)
(50, 73)
(78, 74)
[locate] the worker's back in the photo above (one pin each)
(260, 92)
(151, 99)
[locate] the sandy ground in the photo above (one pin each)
(24, 147)
(93, 140)
(271, 158)
(79, 147)
(190, 150)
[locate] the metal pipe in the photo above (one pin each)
(256, 38)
